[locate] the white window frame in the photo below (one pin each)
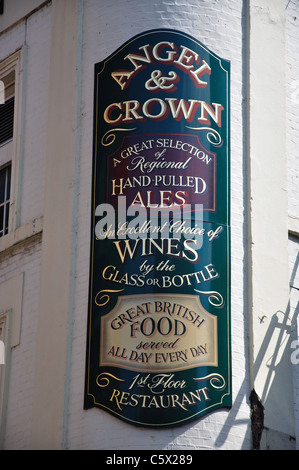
(13, 150)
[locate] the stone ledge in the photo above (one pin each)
(21, 235)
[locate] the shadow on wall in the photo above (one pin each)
(283, 327)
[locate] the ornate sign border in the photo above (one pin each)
(158, 336)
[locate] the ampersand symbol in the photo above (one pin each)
(158, 80)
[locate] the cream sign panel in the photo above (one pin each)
(161, 333)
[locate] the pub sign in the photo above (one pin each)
(158, 336)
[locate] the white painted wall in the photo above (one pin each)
(107, 25)
(25, 258)
(292, 76)
(292, 82)
(268, 204)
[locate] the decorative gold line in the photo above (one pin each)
(105, 296)
(105, 380)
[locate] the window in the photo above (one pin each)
(5, 179)
(12, 118)
(7, 105)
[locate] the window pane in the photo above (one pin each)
(6, 120)
(9, 85)
(1, 221)
(2, 185)
(8, 177)
(5, 180)
(6, 216)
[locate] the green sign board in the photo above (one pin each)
(158, 339)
